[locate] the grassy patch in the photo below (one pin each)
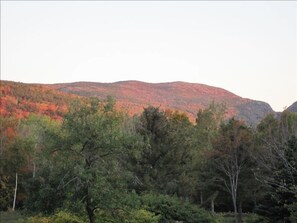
(246, 218)
(11, 217)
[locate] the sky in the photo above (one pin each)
(246, 47)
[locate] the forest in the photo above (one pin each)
(98, 164)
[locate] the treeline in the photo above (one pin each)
(101, 165)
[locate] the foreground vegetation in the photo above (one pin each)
(140, 216)
(99, 165)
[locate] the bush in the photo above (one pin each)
(12, 217)
(105, 217)
(154, 208)
(254, 218)
(143, 216)
(38, 219)
(246, 218)
(60, 217)
(172, 209)
(293, 212)
(64, 217)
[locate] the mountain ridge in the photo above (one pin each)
(178, 95)
(132, 96)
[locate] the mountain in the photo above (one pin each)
(21, 100)
(185, 97)
(293, 107)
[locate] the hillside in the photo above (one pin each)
(20, 100)
(181, 96)
(293, 107)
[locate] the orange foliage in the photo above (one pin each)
(10, 133)
(20, 100)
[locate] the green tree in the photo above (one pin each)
(276, 157)
(164, 166)
(180, 179)
(151, 168)
(91, 145)
(208, 122)
(230, 157)
(207, 126)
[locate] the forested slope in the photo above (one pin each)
(21, 100)
(180, 96)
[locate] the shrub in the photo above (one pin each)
(65, 217)
(293, 212)
(143, 216)
(172, 209)
(60, 217)
(254, 218)
(246, 218)
(38, 219)
(104, 217)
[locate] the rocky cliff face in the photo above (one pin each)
(253, 112)
(293, 107)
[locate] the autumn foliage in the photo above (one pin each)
(20, 100)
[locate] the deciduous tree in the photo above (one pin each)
(92, 143)
(230, 157)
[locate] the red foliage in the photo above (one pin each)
(20, 100)
(133, 96)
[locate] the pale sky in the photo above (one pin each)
(246, 47)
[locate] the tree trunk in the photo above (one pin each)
(233, 185)
(34, 169)
(15, 191)
(234, 199)
(235, 212)
(240, 212)
(89, 207)
(201, 198)
(212, 206)
(91, 214)
(236, 215)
